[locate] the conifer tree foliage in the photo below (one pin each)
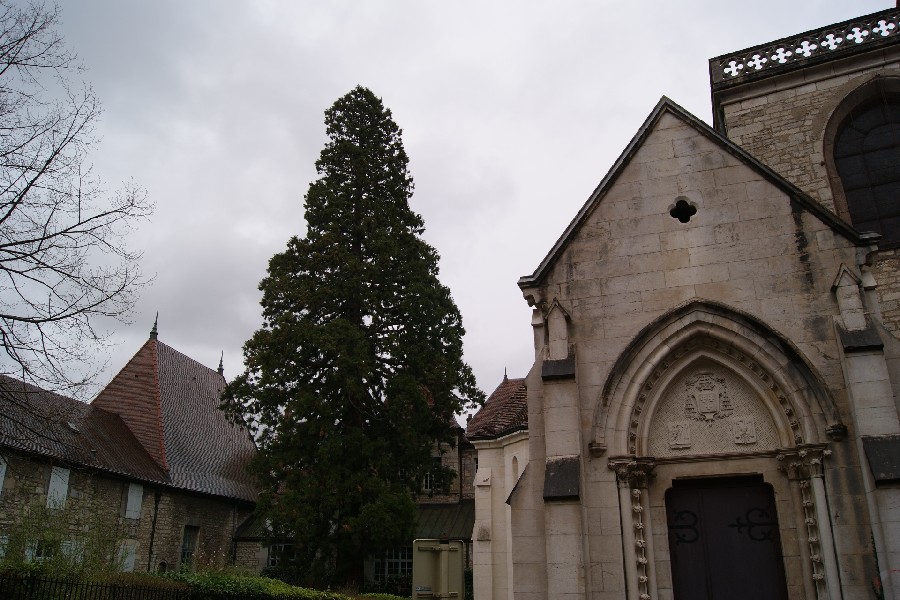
(358, 368)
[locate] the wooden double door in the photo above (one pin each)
(724, 540)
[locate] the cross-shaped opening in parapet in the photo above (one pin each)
(683, 210)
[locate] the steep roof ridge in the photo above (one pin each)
(138, 403)
(504, 412)
(667, 105)
(205, 452)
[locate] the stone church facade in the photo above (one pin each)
(713, 407)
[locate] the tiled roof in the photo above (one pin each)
(133, 394)
(504, 412)
(41, 422)
(205, 452)
(171, 403)
(453, 521)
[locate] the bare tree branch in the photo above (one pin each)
(64, 263)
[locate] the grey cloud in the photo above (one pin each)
(513, 111)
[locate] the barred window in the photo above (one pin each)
(280, 555)
(189, 544)
(394, 563)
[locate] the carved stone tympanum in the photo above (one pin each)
(710, 409)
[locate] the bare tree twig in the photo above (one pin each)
(64, 263)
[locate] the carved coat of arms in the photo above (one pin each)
(707, 398)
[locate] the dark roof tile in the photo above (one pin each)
(171, 402)
(451, 521)
(41, 422)
(205, 452)
(504, 412)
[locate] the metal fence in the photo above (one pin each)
(44, 588)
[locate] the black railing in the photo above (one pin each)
(15, 587)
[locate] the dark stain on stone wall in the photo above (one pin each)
(802, 243)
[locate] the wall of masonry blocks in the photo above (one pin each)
(465, 474)
(783, 124)
(251, 555)
(630, 262)
(26, 483)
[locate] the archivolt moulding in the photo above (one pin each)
(737, 338)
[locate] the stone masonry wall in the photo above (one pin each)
(216, 518)
(748, 247)
(250, 555)
(886, 269)
(785, 129)
(105, 498)
(90, 500)
(783, 124)
(450, 458)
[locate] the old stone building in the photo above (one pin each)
(151, 463)
(713, 407)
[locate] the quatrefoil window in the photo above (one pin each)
(683, 210)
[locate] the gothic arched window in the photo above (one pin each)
(867, 160)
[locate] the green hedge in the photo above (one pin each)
(218, 585)
(225, 584)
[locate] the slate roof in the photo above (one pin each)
(505, 412)
(40, 422)
(452, 521)
(170, 402)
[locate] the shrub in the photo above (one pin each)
(400, 585)
(234, 585)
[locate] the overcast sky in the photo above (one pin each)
(512, 112)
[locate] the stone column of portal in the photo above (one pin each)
(648, 537)
(633, 475)
(826, 537)
(804, 465)
(628, 541)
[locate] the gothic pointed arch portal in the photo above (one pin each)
(802, 406)
(708, 392)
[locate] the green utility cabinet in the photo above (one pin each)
(438, 569)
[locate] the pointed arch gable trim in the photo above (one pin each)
(702, 324)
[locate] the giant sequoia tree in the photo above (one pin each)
(357, 370)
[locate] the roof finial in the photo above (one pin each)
(505, 378)
(221, 368)
(154, 332)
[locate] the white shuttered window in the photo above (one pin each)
(135, 496)
(58, 489)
